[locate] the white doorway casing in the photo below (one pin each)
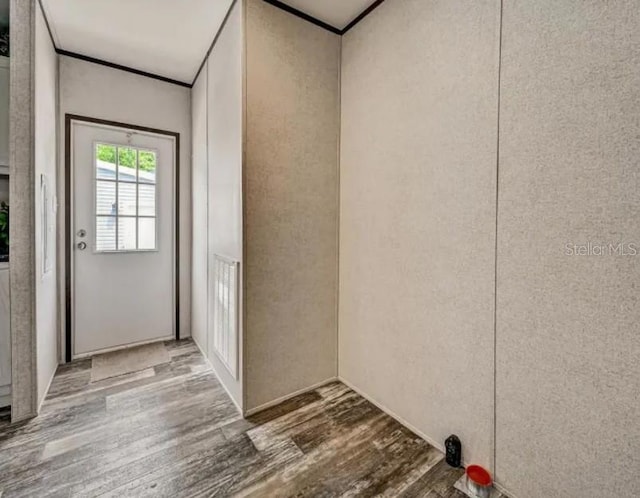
(122, 290)
(97, 93)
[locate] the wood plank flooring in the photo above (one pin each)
(172, 431)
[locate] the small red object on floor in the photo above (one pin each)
(479, 475)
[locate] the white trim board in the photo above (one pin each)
(121, 347)
(504, 491)
(412, 428)
(46, 391)
(287, 397)
(213, 369)
(5, 396)
(394, 416)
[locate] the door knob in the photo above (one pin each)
(82, 246)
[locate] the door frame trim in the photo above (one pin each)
(68, 119)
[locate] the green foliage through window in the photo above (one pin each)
(127, 157)
(106, 153)
(147, 160)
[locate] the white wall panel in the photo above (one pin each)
(225, 157)
(97, 91)
(199, 210)
(46, 108)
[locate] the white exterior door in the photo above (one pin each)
(123, 261)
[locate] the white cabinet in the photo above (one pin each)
(4, 115)
(5, 338)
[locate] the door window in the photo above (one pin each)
(125, 198)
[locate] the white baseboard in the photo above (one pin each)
(504, 491)
(393, 415)
(282, 399)
(124, 346)
(213, 369)
(253, 411)
(5, 396)
(439, 446)
(46, 391)
(412, 428)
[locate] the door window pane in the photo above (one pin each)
(105, 198)
(127, 161)
(126, 199)
(146, 200)
(147, 166)
(127, 234)
(106, 233)
(146, 233)
(105, 161)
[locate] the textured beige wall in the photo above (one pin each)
(24, 388)
(417, 217)
(291, 203)
(568, 343)
(46, 108)
(225, 156)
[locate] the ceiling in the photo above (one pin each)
(164, 37)
(337, 13)
(168, 38)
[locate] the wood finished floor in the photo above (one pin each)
(172, 431)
